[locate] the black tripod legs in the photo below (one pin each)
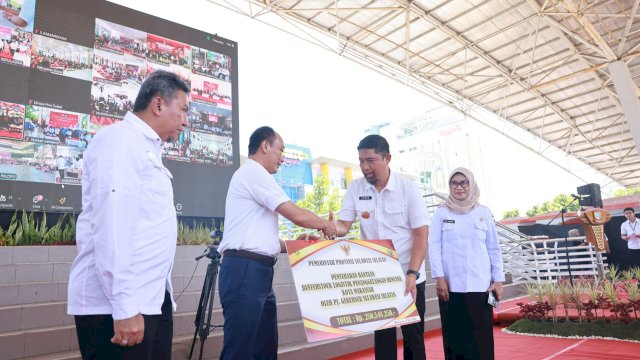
(205, 305)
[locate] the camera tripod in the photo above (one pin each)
(205, 305)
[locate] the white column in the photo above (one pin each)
(628, 95)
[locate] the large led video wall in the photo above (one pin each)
(68, 68)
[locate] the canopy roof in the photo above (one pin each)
(541, 65)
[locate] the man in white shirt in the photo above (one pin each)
(390, 207)
(249, 248)
(120, 283)
(80, 162)
(630, 232)
(61, 165)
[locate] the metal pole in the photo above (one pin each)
(566, 246)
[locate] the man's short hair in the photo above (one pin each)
(629, 208)
(259, 135)
(162, 83)
(376, 142)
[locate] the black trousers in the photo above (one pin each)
(467, 326)
(95, 333)
(412, 334)
(249, 308)
(634, 257)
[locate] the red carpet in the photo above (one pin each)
(517, 347)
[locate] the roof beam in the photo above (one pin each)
(583, 71)
(493, 34)
(501, 68)
(613, 15)
(333, 9)
(588, 27)
(377, 56)
(627, 27)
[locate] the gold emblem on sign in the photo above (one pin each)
(597, 215)
(593, 220)
(365, 214)
(346, 248)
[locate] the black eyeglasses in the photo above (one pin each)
(464, 184)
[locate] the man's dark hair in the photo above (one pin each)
(629, 208)
(259, 135)
(376, 142)
(162, 83)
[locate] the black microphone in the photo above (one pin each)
(575, 196)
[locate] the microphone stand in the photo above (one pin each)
(566, 245)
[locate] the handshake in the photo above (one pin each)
(328, 227)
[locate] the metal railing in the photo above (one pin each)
(555, 259)
(536, 259)
(517, 253)
(432, 201)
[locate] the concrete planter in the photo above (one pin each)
(33, 295)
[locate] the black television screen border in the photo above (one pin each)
(199, 188)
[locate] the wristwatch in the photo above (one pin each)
(417, 274)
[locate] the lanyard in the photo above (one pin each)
(633, 226)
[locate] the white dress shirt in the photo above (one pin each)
(464, 248)
(127, 231)
(391, 214)
(627, 228)
(251, 222)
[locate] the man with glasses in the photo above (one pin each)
(390, 207)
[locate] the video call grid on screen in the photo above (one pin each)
(68, 68)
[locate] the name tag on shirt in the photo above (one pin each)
(446, 221)
(365, 198)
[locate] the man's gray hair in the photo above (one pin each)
(160, 83)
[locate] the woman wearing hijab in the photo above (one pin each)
(466, 262)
